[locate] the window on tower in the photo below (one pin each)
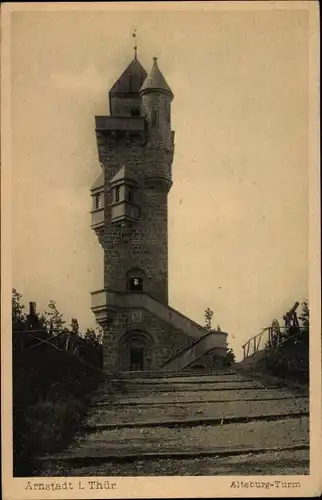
(135, 279)
(136, 284)
(167, 112)
(97, 201)
(117, 194)
(154, 118)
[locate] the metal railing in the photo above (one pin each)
(274, 336)
(269, 339)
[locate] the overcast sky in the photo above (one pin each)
(238, 208)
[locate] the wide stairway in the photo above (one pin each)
(188, 424)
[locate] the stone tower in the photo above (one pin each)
(130, 217)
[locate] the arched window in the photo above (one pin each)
(135, 280)
(136, 284)
(117, 193)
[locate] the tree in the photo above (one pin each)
(208, 317)
(305, 316)
(74, 326)
(91, 336)
(18, 317)
(54, 319)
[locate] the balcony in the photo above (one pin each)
(122, 123)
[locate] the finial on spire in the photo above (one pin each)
(135, 44)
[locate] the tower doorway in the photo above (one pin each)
(135, 351)
(136, 359)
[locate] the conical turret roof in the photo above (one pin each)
(131, 79)
(155, 80)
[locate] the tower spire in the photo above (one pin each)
(135, 43)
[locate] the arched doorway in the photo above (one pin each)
(135, 351)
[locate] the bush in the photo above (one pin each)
(289, 361)
(51, 424)
(50, 399)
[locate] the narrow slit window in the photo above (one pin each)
(154, 118)
(168, 114)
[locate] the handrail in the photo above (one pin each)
(188, 347)
(207, 343)
(154, 299)
(252, 341)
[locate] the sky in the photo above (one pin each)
(238, 208)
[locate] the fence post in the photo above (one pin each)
(270, 339)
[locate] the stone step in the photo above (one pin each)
(143, 393)
(167, 374)
(184, 413)
(190, 396)
(213, 440)
(206, 386)
(171, 399)
(183, 379)
(194, 421)
(138, 390)
(293, 460)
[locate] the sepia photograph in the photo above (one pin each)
(163, 305)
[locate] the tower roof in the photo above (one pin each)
(131, 79)
(155, 80)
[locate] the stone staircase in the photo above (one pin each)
(188, 424)
(199, 342)
(188, 356)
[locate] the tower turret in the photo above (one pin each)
(156, 97)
